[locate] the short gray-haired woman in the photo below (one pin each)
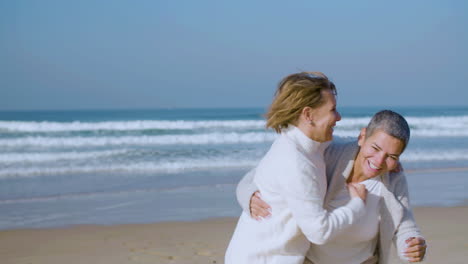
(388, 217)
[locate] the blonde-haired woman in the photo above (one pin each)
(291, 178)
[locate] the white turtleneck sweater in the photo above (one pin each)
(291, 178)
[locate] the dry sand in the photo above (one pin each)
(191, 242)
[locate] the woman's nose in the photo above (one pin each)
(338, 116)
(380, 159)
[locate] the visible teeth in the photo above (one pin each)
(373, 166)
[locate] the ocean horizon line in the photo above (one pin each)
(228, 108)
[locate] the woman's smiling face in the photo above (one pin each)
(325, 117)
(379, 153)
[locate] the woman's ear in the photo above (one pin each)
(362, 136)
(307, 114)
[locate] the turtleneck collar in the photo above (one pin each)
(307, 145)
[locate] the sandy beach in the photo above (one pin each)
(192, 242)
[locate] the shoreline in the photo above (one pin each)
(431, 170)
(195, 242)
(181, 222)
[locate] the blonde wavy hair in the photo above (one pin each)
(295, 92)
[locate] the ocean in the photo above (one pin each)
(61, 168)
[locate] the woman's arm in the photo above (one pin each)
(303, 191)
(245, 189)
(408, 239)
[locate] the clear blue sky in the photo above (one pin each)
(156, 54)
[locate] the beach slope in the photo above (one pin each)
(191, 242)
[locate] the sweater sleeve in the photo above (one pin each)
(302, 189)
(407, 228)
(245, 189)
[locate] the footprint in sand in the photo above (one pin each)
(204, 252)
(159, 254)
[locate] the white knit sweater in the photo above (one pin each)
(291, 178)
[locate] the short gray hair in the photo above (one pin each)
(391, 123)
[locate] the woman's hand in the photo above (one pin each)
(258, 208)
(415, 249)
(357, 190)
